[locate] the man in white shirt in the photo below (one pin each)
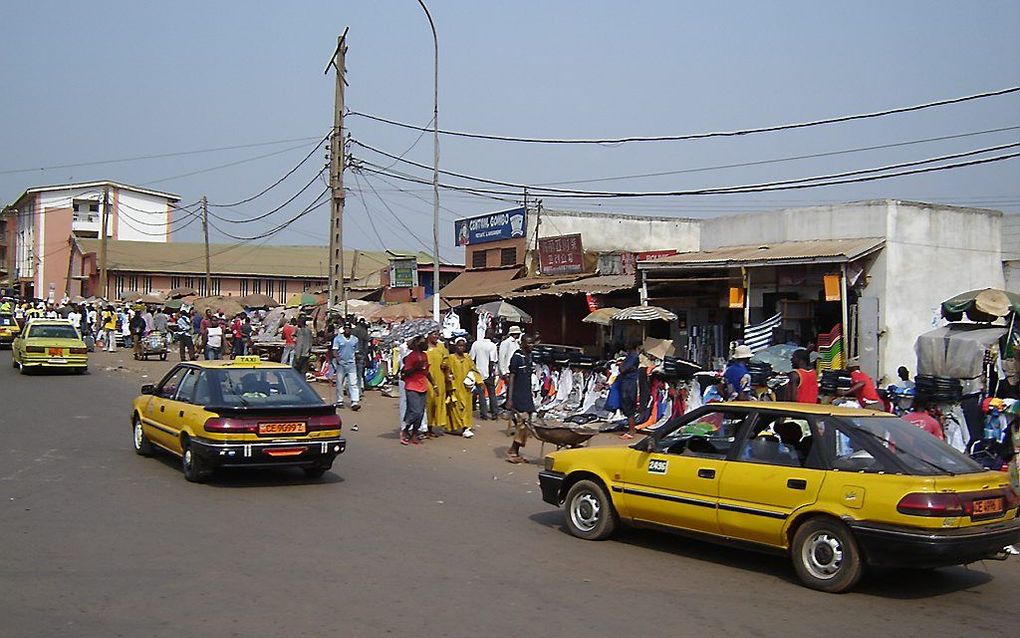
(507, 347)
(485, 355)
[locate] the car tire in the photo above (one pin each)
(825, 556)
(589, 511)
(162, 357)
(193, 467)
(143, 447)
(22, 369)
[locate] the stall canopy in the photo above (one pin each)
(987, 304)
(956, 351)
(770, 254)
(477, 283)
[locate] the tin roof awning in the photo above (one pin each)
(598, 285)
(478, 283)
(820, 251)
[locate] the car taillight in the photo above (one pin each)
(231, 426)
(79, 351)
(923, 504)
(35, 349)
(325, 422)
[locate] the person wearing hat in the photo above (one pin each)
(737, 376)
(507, 347)
(465, 376)
(862, 386)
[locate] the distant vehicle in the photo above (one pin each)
(240, 413)
(835, 489)
(49, 344)
(9, 328)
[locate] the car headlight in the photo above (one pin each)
(549, 463)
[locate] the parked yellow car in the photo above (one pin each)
(240, 413)
(835, 489)
(9, 328)
(49, 344)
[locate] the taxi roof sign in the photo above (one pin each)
(248, 359)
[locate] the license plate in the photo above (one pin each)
(297, 427)
(52, 360)
(988, 507)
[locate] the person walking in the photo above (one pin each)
(136, 324)
(213, 340)
(160, 322)
(109, 319)
(803, 385)
(628, 380)
(360, 330)
(414, 372)
(464, 378)
(439, 373)
(302, 345)
(185, 336)
(737, 376)
(486, 358)
(345, 348)
(520, 400)
(289, 328)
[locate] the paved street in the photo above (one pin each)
(443, 540)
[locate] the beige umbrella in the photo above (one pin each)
(602, 316)
(230, 306)
(183, 291)
(151, 298)
(258, 300)
(401, 312)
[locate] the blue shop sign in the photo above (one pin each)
(506, 224)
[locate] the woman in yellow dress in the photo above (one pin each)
(460, 410)
(439, 378)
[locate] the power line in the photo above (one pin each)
(279, 227)
(221, 166)
(277, 182)
(695, 136)
(157, 156)
(273, 211)
(400, 221)
(382, 244)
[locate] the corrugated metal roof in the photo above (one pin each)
(598, 285)
(311, 262)
(814, 251)
(478, 283)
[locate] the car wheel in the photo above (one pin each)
(193, 467)
(825, 556)
(142, 445)
(590, 513)
(22, 369)
(162, 357)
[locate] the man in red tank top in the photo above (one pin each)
(803, 386)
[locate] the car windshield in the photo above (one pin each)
(915, 448)
(265, 387)
(53, 332)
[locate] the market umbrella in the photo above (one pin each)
(504, 310)
(400, 312)
(303, 299)
(174, 304)
(151, 298)
(602, 316)
(409, 330)
(130, 296)
(644, 313)
(183, 291)
(258, 300)
(984, 305)
(229, 305)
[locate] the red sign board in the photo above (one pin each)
(655, 254)
(561, 255)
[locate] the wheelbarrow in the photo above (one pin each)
(562, 435)
(153, 344)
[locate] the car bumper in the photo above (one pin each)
(276, 454)
(44, 361)
(900, 547)
(552, 486)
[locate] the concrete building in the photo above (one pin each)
(888, 265)
(41, 221)
(238, 270)
(1011, 251)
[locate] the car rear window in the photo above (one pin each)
(919, 451)
(266, 387)
(52, 332)
(6, 320)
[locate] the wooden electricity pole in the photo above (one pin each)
(103, 226)
(337, 290)
(205, 233)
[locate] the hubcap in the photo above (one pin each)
(139, 437)
(585, 511)
(822, 555)
(187, 458)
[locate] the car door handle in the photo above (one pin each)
(162, 408)
(796, 484)
(706, 473)
(181, 414)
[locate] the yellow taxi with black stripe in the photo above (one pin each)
(233, 414)
(49, 344)
(9, 328)
(835, 489)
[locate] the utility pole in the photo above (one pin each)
(337, 290)
(205, 233)
(103, 226)
(435, 164)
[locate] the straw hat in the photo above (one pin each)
(742, 352)
(992, 302)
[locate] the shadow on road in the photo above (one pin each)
(254, 477)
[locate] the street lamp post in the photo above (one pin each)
(435, 167)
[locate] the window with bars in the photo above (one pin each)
(133, 282)
(507, 256)
(256, 286)
(119, 285)
(242, 287)
(175, 282)
(478, 259)
(215, 283)
(283, 291)
(147, 283)
(269, 287)
(201, 286)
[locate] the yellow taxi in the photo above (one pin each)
(49, 344)
(9, 328)
(240, 413)
(835, 489)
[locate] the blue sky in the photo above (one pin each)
(89, 81)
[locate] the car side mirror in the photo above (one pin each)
(149, 388)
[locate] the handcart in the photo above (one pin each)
(153, 344)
